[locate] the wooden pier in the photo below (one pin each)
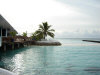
(10, 43)
(91, 41)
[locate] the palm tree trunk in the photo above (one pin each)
(44, 37)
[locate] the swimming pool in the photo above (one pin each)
(74, 57)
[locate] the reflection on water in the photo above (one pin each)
(54, 60)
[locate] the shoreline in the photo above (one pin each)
(47, 43)
(16, 45)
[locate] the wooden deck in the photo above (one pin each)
(8, 44)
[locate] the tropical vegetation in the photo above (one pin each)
(13, 33)
(43, 31)
(24, 34)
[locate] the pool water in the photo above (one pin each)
(74, 57)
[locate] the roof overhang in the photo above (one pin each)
(5, 24)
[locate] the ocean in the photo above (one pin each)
(73, 57)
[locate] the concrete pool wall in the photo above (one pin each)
(5, 72)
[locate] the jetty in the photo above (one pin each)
(91, 41)
(11, 43)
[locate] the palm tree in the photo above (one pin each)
(25, 34)
(44, 30)
(13, 33)
(37, 35)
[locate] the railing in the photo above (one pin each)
(16, 39)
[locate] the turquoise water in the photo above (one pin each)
(74, 57)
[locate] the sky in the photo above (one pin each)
(69, 18)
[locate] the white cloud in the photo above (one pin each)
(28, 14)
(25, 13)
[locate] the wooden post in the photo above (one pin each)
(4, 47)
(6, 32)
(18, 45)
(12, 46)
(1, 37)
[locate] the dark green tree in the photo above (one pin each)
(13, 33)
(37, 36)
(24, 34)
(44, 30)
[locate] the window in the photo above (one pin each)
(3, 32)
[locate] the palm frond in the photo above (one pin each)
(48, 27)
(24, 34)
(45, 25)
(38, 35)
(52, 30)
(41, 27)
(50, 34)
(38, 32)
(44, 30)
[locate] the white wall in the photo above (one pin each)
(5, 72)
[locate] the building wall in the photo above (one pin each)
(3, 33)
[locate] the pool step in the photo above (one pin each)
(6, 72)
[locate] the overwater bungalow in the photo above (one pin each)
(5, 29)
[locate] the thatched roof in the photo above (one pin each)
(5, 24)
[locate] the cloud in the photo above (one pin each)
(74, 17)
(80, 33)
